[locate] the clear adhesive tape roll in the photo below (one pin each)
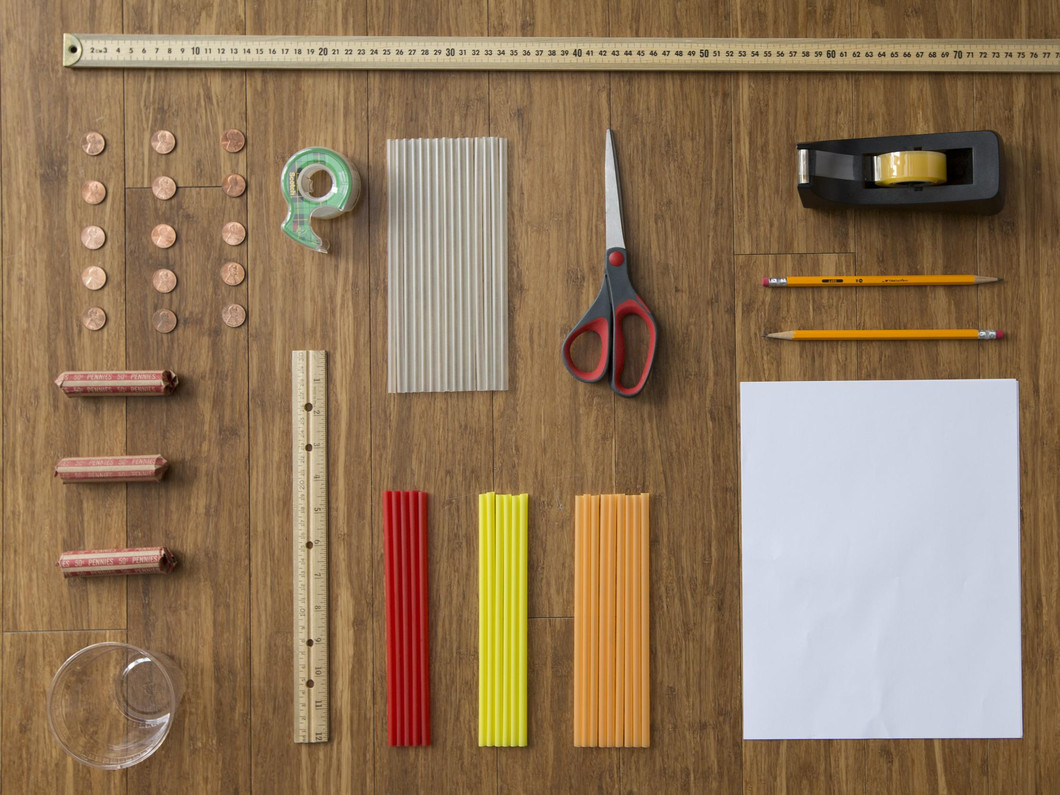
(303, 204)
(909, 169)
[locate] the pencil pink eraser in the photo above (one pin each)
(765, 281)
(1000, 334)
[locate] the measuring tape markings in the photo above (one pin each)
(310, 536)
(516, 53)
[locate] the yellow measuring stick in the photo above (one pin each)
(309, 464)
(84, 50)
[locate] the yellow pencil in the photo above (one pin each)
(937, 279)
(889, 334)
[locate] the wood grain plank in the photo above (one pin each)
(555, 127)
(771, 114)
(909, 241)
(196, 106)
(317, 302)
(201, 507)
(30, 759)
(203, 429)
(676, 440)
(1020, 243)
(45, 112)
(453, 453)
(440, 443)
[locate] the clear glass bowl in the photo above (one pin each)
(111, 705)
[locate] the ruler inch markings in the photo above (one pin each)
(559, 54)
(310, 545)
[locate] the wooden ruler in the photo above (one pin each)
(564, 54)
(309, 437)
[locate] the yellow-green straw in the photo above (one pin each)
(483, 623)
(523, 593)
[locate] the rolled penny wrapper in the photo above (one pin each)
(104, 562)
(112, 469)
(95, 383)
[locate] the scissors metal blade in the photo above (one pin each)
(612, 196)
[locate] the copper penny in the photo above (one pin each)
(93, 143)
(164, 280)
(92, 237)
(232, 140)
(164, 321)
(234, 185)
(163, 142)
(163, 188)
(93, 192)
(233, 315)
(93, 318)
(163, 236)
(234, 233)
(232, 273)
(93, 277)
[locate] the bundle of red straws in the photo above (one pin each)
(408, 678)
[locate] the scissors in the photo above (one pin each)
(617, 299)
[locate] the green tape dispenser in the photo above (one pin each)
(304, 204)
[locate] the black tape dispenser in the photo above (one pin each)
(954, 172)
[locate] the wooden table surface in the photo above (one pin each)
(710, 204)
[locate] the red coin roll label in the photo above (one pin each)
(115, 383)
(106, 562)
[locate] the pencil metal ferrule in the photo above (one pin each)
(987, 335)
(777, 281)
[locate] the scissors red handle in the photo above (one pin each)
(596, 321)
(616, 301)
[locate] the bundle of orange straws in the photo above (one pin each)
(611, 667)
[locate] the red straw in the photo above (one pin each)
(414, 625)
(425, 668)
(391, 649)
(406, 620)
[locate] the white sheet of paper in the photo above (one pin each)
(881, 564)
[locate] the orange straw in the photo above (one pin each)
(607, 654)
(645, 677)
(630, 605)
(595, 669)
(579, 620)
(633, 721)
(620, 618)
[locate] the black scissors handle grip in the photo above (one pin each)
(626, 302)
(616, 301)
(596, 321)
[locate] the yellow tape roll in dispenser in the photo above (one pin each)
(909, 169)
